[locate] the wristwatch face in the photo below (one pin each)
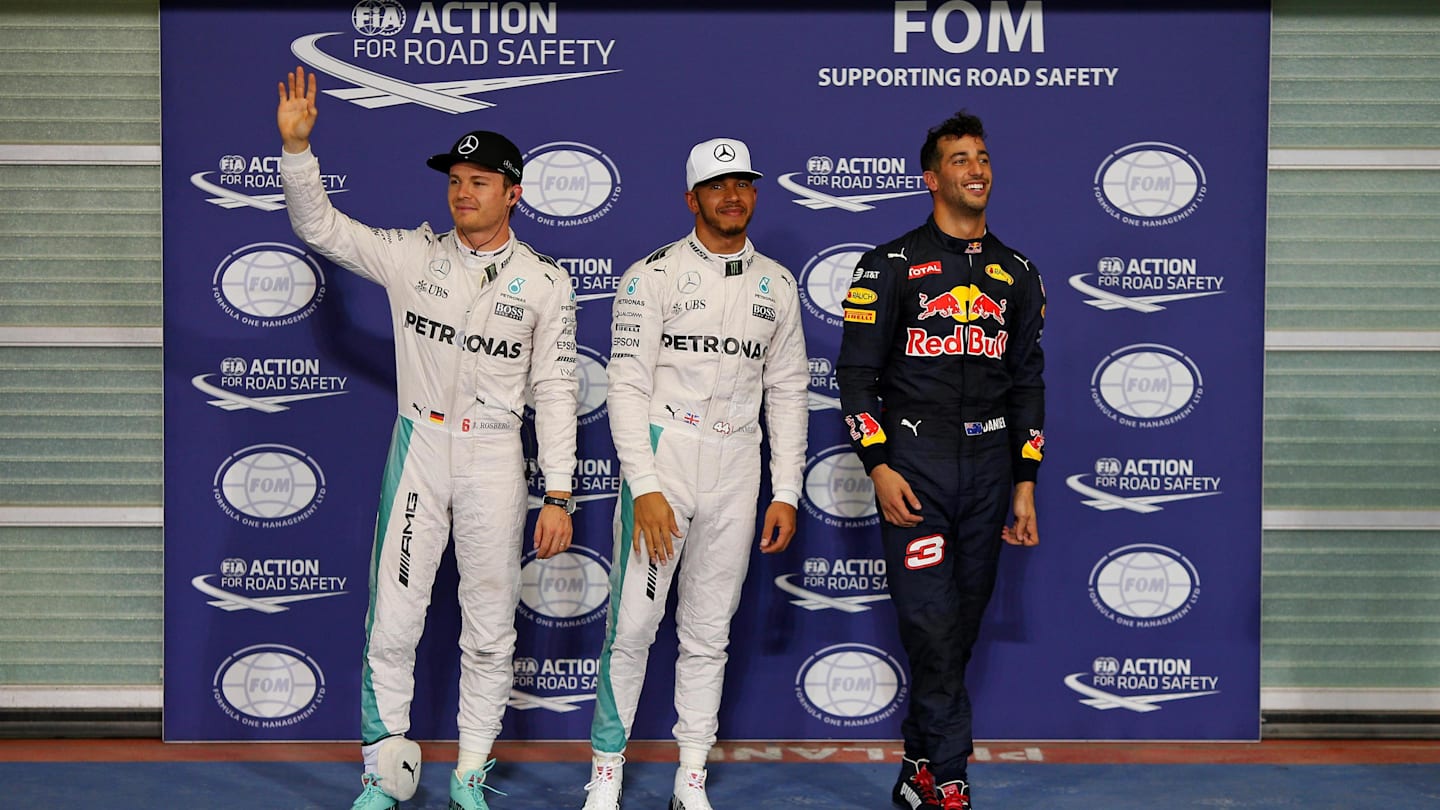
(568, 504)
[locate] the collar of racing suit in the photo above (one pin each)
(949, 242)
(709, 257)
(476, 260)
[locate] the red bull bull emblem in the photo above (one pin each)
(864, 429)
(1032, 448)
(945, 305)
(983, 306)
(973, 247)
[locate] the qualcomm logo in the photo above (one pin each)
(826, 279)
(300, 375)
(240, 177)
(826, 183)
(447, 35)
(1148, 682)
(287, 580)
(822, 376)
(1150, 184)
(1144, 585)
(568, 183)
(1146, 385)
(567, 590)
(556, 685)
(1144, 285)
(269, 486)
(837, 491)
(268, 686)
(1140, 485)
(846, 585)
(268, 284)
(850, 685)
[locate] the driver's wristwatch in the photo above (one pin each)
(568, 504)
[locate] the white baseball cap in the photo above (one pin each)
(715, 157)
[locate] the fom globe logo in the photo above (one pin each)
(268, 686)
(826, 279)
(594, 384)
(567, 590)
(850, 685)
(269, 486)
(837, 491)
(1146, 385)
(1150, 184)
(268, 284)
(1144, 585)
(568, 183)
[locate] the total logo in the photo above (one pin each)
(1144, 585)
(268, 686)
(269, 486)
(1140, 685)
(556, 685)
(1150, 184)
(456, 36)
(268, 284)
(824, 388)
(850, 685)
(838, 493)
(1146, 385)
(846, 585)
(300, 378)
(1145, 285)
(240, 178)
(1142, 485)
(568, 183)
(567, 590)
(825, 281)
(852, 183)
(267, 585)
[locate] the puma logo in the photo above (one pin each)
(411, 768)
(673, 414)
(914, 426)
(900, 255)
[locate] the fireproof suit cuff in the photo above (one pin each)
(787, 496)
(872, 457)
(644, 485)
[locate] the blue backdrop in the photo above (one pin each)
(1129, 154)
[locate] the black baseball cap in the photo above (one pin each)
(483, 148)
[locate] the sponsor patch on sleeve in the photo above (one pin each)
(859, 315)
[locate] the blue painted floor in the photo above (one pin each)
(732, 786)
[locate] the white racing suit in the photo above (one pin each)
(472, 338)
(695, 342)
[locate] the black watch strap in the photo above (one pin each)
(568, 504)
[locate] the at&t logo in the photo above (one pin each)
(268, 686)
(268, 284)
(1144, 585)
(850, 685)
(568, 183)
(1150, 184)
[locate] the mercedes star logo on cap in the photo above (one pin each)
(467, 145)
(724, 152)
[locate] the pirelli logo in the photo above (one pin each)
(859, 315)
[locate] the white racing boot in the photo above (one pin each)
(689, 790)
(603, 789)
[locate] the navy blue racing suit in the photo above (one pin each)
(940, 378)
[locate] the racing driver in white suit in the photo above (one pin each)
(701, 330)
(480, 320)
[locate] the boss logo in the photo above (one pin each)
(762, 311)
(510, 311)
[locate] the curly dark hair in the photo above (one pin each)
(958, 125)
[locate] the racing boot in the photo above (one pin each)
(689, 791)
(467, 790)
(955, 795)
(373, 797)
(916, 788)
(603, 790)
(399, 767)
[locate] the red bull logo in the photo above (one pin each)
(865, 429)
(1032, 449)
(983, 306)
(965, 340)
(945, 305)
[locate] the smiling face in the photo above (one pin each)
(961, 179)
(479, 203)
(722, 206)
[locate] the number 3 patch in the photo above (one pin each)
(924, 552)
